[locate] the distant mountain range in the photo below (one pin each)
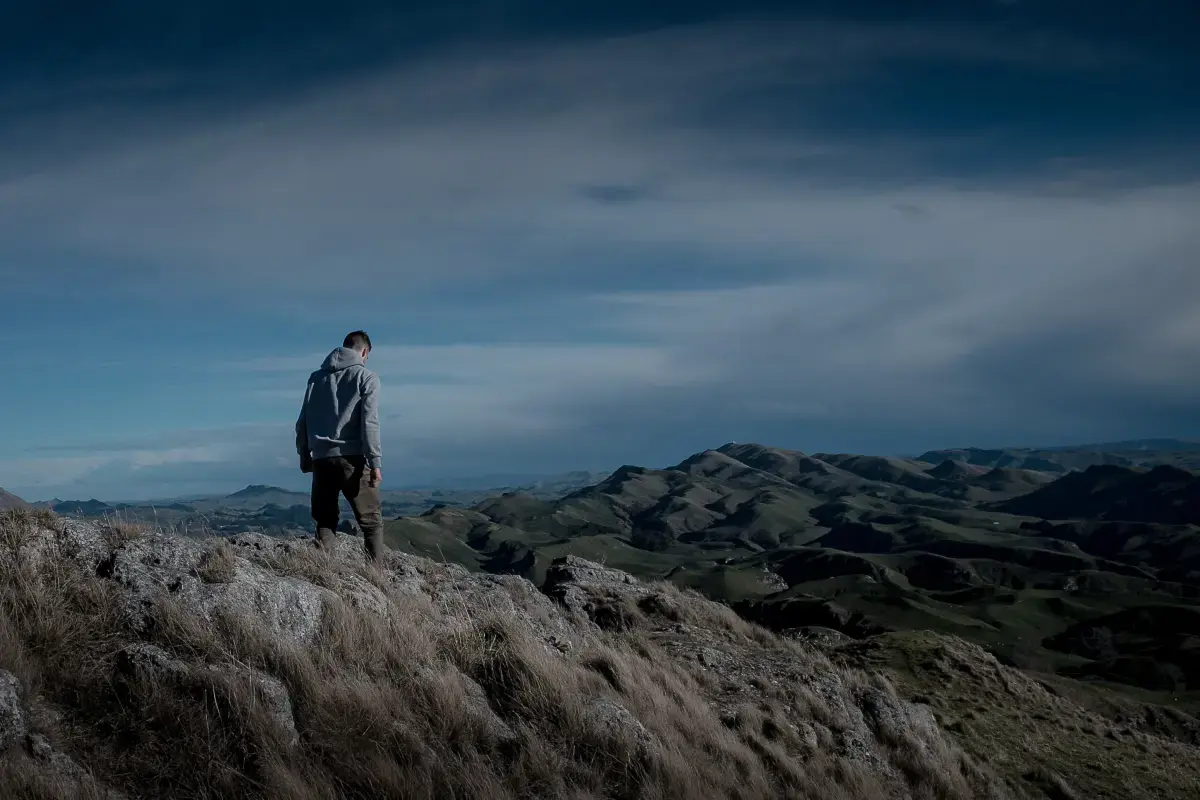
(1130, 453)
(1032, 564)
(273, 509)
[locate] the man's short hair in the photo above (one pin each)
(357, 340)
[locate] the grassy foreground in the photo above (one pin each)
(449, 691)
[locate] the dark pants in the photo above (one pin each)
(347, 475)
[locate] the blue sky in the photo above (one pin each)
(587, 234)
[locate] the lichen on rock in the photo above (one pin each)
(475, 684)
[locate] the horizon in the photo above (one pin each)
(603, 234)
(480, 482)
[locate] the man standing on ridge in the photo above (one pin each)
(337, 437)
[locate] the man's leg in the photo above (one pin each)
(327, 480)
(367, 508)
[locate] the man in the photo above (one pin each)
(337, 437)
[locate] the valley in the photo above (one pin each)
(1092, 573)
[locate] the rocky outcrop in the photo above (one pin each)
(156, 564)
(51, 768)
(62, 770)
(12, 714)
(587, 589)
(146, 662)
(611, 718)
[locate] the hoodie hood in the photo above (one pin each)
(341, 358)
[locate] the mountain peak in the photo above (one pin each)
(1171, 472)
(741, 450)
(9, 500)
(257, 490)
(955, 469)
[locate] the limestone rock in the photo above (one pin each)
(895, 718)
(159, 564)
(270, 692)
(711, 657)
(464, 596)
(362, 594)
(856, 719)
(149, 661)
(13, 721)
(477, 701)
(64, 771)
(40, 749)
(581, 585)
(613, 719)
(84, 542)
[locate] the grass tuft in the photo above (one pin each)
(422, 696)
(218, 565)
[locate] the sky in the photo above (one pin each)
(588, 234)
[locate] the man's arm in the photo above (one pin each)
(302, 429)
(370, 422)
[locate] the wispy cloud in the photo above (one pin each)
(107, 471)
(495, 393)
(434, 399)
(714, 233)
(481, 163)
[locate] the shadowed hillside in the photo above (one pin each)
(141, 664)
(9, 500)
(1164, 494)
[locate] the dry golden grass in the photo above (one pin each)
(22, 779)
(219, 564)
(1052, 736)
(418, 702)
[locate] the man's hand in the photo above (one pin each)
(376, 477)
(306, 464)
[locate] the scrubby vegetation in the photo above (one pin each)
(151, 665)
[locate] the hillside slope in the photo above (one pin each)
(9, 500)
(1164, 494)
(154, 665)
(141, 664)
(275, 510)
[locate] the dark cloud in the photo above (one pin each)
(614, 195)
(624, 233)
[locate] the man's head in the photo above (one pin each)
(359, 342)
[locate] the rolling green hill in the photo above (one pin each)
(1164, 494)
(1026, 563)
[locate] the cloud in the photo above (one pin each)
(474, 164)
(435, 400)
(153, 464)
(107, 471)
(447, 395)
(33, 474)
(693, 241)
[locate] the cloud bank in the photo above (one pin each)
(627, 248)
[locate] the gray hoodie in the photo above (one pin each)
(340, 414)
